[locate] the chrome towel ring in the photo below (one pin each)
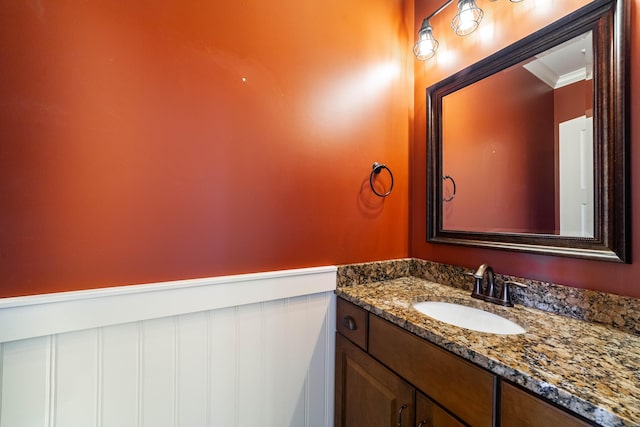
(375, 170)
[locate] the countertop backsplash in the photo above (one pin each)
(614, 310)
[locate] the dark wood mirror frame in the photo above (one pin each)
(609, 22)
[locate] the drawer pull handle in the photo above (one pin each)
(402, 408)
(424, 423)
(349, 323)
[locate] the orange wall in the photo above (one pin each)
(504, 23)
(156, 140)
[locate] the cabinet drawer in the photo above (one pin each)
(519, 408)
(464, 389)
(352, 322)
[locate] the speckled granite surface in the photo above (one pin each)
(618, 311)
(591, 369)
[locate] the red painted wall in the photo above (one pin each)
(504, 23)
(157, 140)
(566, 104)
(515, 160)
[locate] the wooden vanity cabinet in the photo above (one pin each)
(519, 408)
(367, 393)
(388, 368)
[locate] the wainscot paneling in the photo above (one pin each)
(237, 362)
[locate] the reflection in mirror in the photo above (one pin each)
(523, 162)
(528, 148)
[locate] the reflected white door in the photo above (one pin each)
(576, 177)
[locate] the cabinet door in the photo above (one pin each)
(521, 409)
(428, 414)
(367, 393)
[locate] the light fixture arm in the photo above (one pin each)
(440, 9)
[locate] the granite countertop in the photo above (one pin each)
(590, 369)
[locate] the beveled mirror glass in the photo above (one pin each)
(527, 148)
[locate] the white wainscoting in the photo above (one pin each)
(217, 357)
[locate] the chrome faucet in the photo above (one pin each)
(491, 285)
(489, 293)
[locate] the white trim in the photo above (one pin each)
(551, 79)
(572, 77)
(38, 315)
(545, 74)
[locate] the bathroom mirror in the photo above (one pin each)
(527, 149)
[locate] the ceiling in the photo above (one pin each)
(566, 63)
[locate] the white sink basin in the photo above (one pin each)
(469, 318)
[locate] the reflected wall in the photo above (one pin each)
(500, 152)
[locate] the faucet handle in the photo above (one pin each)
(518, 284)
(505, 294)
(477, 287)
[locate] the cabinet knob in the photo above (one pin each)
(349, 323)
(402, 408)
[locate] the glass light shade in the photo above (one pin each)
(426, 45)
(468, 17)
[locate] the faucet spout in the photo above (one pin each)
(490, 290)
(479, 274)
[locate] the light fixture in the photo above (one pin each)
(465, 22)
(468, 17)
(426, 45)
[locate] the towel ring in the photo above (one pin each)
(454, 188)
(375, 170)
